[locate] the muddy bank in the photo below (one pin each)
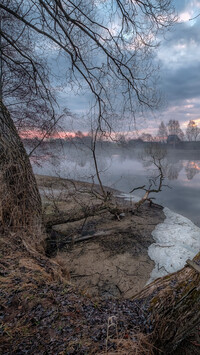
(112, 260)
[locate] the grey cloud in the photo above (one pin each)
(183, 33)
(181, 84)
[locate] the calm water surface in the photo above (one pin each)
(124, 169)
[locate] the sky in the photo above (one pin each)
(179, 60)
(179, 57)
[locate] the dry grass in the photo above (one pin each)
(140, 344)
(135, 344)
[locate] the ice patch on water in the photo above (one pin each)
(176, 240)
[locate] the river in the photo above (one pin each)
(125, 168)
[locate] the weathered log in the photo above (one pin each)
(61, 217)
(172, 306)
(53, 219)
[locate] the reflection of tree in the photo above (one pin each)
(172, 166)
(192, 169)
(172, 170)
(151, 154)
(82, 162)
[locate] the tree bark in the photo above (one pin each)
(172, 305)
(20, 202)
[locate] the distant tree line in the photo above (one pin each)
(192, 132)
(173, 128)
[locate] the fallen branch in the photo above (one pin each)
(87, 237)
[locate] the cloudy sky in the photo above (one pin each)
(179, 56)
(179, 61)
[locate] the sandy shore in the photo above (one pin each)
(114, 261)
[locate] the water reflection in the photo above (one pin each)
(174, 168)
(171, 164)
(125, 169)
(192, 168)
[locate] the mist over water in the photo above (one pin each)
(124, 168)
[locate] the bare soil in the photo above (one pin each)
(114, 261)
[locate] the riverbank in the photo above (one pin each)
(112, 258)
(45, 310)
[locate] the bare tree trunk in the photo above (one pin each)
(1, 62)
(20, 203)
(172, 305)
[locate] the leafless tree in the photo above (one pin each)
(106, 44)
(24, 78)
(173, 127)
(107, 47)
(162, 132)
(192, 131)
(25, 90)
